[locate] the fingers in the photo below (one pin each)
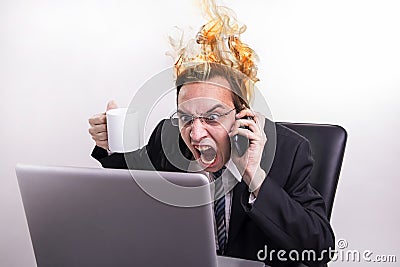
(99, 135)
(253, 115)
(245, 113)
(111, 105)
(256, 116)
(254, 123)
(240, 124)
(246, 133)
(98, 119)
(101, 118)
(98, 132)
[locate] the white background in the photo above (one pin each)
(320, 61)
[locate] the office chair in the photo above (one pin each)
(327, 145)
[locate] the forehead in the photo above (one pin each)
(216, 89)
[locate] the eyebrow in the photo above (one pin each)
(208, 111)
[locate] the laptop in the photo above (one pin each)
(109, 217)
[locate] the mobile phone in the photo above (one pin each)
(240, 142)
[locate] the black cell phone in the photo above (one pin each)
(240, 142)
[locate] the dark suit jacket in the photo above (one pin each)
(288, 213)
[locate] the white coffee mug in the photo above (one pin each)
(123, 130)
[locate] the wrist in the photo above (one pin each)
(255, 180)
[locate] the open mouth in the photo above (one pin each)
(207, 154)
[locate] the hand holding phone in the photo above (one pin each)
(240, 142)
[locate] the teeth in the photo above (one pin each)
(207, 162)
(202, 148)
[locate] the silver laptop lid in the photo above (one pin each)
(102, 217)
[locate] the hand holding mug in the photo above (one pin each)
(98, 126)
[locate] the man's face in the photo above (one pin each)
(208, 140)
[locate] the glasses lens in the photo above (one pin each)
(185, 119)
(174, 119)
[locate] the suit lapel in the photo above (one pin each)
(238, 214)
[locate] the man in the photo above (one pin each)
(263, 199)
(272, 206)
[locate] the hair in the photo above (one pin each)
(240, 85)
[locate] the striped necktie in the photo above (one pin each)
(219, 211)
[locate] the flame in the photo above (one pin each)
(218, 41)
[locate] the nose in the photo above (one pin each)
(197, 130)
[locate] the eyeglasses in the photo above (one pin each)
(183, 119)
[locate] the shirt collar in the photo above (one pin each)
(231, 167)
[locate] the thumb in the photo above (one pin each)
(111, 105)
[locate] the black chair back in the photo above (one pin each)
(328, 143)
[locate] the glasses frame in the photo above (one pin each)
(202, 118)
